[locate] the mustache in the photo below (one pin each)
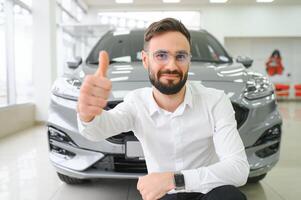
(176, 72)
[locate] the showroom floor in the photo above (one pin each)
(26, 174)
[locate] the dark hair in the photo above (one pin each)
(162, 26)
(276, 52)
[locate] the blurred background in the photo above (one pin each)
(38, 37)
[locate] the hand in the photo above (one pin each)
(155, 185)
(95, 91)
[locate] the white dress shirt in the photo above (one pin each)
(199, 138)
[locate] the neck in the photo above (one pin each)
(169, 102)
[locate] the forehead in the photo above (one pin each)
(170, 41)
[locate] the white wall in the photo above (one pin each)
(252, 21)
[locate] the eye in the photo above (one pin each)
(161, 56)
(181, 57)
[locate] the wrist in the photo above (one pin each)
(171, 185)
(86, 119)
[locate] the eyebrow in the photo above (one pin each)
(182, 52)
(161, 51)
(177, 52)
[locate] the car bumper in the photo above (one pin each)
(88, 164)
(95, 174)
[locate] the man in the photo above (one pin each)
(188, 133)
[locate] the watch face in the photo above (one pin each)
(179, 181)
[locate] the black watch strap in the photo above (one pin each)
(179, 181)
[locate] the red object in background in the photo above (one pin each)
(297, 90)
(274, 66)
(298, 87)
(280, 87)
(282, 90)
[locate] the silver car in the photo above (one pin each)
(77, 159)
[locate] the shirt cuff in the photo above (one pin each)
(82, 125)
(193, 179)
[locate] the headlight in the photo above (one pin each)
(258, 87)
(66, 88)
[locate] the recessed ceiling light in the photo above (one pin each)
(124, 1)
(171, 1)
(264, 1)
(218, 1)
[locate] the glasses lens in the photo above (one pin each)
(162, 57)
(182, 57)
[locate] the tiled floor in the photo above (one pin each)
(26, 174)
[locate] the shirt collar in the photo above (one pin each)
(153, 106)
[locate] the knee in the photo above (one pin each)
(226, 192)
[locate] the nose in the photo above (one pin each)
(172, 63)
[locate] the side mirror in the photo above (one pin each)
(75, 63)
(246, 61)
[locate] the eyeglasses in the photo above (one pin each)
(162, 57)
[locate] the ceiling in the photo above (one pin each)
(184, 4)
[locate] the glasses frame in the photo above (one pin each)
(169, 55)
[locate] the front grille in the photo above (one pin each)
(268, 151)
(118, 163)
(241, 114)
(126, 165)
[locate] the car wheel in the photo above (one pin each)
(256, 179)
(70, 180)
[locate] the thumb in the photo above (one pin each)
(103, 64)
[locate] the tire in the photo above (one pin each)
(69, 180)
(256, 179)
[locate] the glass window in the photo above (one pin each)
(127, 47)
(1, 7)
(23, 56)
(3, 96)
(67, 4)
(79, 13)
(68, 49)
(116, 45)
(206, 48)
(27, 2)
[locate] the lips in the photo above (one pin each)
(170, 74)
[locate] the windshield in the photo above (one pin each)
(127, 47)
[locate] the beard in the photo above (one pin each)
(170, 87)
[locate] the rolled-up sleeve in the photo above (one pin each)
(232, 167)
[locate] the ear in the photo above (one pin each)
(144, 57)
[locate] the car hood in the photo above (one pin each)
(126, 77)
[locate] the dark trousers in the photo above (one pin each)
(226, 192)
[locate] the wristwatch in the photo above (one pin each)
(179, 181)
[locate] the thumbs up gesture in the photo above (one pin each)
(95, 91)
